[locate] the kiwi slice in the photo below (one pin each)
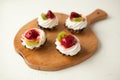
(61, 35)
(32, 43)
(77, 19)
(43, 16)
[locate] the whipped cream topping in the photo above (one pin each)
(75, 25)
(49, 23)
(68, 51)
(41, 39)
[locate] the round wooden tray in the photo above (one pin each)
(47, 57)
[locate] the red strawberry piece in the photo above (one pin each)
(74, 15)
(68, 41)
(50, 14)
(32, 34)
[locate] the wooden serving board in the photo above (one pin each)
(47, 57)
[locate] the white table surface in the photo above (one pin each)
(103, 65)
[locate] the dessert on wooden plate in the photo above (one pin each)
(49, 57)
(67, 44)
(76, 22)
(33, 38)
(48, 20)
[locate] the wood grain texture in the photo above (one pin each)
(47, 57)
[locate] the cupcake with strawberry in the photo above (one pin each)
(48, 20)
(76, 22)
(67, 44)
(33, 38)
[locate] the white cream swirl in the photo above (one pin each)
(75, 25)
(41, 39)
(68, 51)
(49, 23)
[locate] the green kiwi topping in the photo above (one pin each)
(32, 43)
(77, 19)
(61, 35)
(44, 16)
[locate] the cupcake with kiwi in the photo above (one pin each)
(33, 38)
(76, 22)
(67, 44)
(48, 20)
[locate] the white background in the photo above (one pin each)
(103, 65)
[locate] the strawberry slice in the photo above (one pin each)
(68, 41)
(50, 14)
(32, 34)
(74, 15)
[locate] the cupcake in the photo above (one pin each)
(76, 22)
(67, 44)
(48, 21)
(33, 38)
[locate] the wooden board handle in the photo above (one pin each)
(96, 15)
